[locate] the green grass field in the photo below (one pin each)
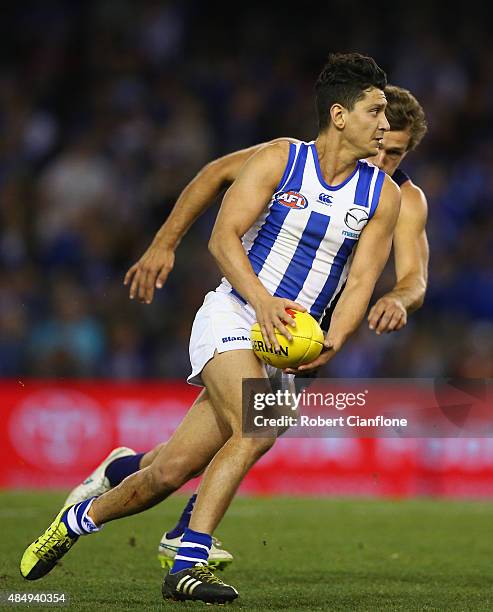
(290, 554)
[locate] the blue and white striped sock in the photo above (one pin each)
(77, 521)
(194, 549)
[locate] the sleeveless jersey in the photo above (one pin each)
(301, 246)
(399, 177)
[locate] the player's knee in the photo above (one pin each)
(256, 447)
(171, 474)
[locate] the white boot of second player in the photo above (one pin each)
(97, 483)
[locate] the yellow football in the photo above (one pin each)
(306, 345)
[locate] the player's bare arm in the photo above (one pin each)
(153, 268)
(242, 204)
(411, 255)
(372, 252)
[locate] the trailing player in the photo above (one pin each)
(279, 246)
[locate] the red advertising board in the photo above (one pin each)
(54, 434)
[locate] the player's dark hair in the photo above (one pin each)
(343, 80)
(404, 112)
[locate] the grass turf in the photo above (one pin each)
(290, 554)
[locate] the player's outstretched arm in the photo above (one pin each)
(152, 269)
(372, 252)
(243, 203)
(411, 255)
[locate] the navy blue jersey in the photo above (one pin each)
(400, 177)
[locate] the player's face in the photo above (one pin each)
(392, 150)
(366, 123)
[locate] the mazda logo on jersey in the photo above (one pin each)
(291, 199)
(356, 219)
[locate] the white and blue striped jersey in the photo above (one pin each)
(301, 246)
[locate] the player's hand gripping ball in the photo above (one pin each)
(306, 345)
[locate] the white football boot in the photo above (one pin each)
(97, 483)
(168, 547)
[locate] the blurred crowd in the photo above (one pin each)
(108, 109)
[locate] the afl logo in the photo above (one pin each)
(291, 199)
(356, 219)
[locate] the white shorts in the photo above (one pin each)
(223, 324)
